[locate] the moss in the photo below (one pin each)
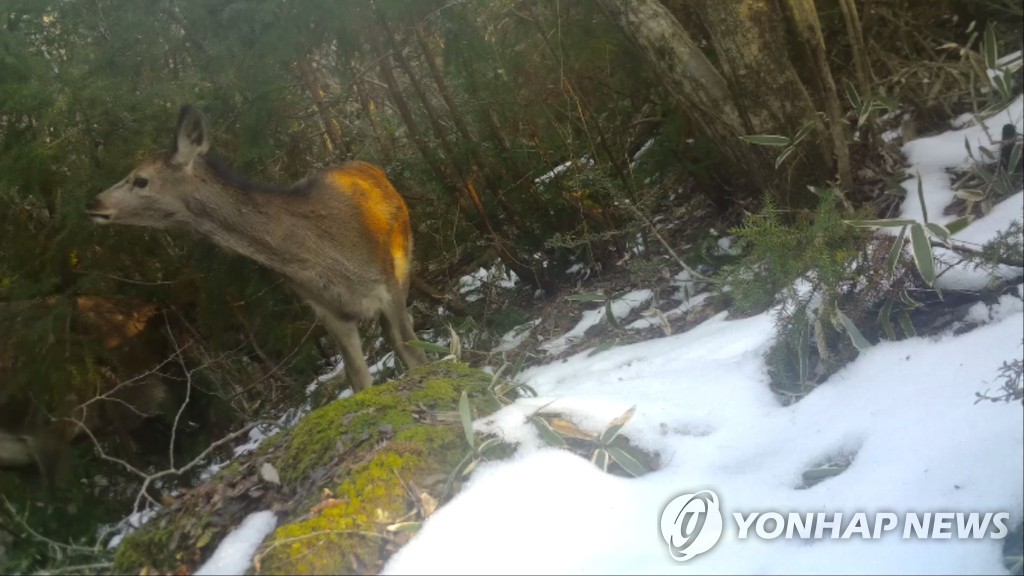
(372, 414)
(150, 547)
(342, 536)
(363, 450)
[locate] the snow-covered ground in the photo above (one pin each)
(903, 412)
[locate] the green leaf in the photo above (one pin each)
(609, 315)
(547, 434)
(782, 157)
(1003, 86)
(767, 140)
(802, 133)
(885, 320)
(858, 339)
(894, 253)
(958, 225)
(429, 346)
(1015, 155)
(613, 429)
(457, 472)
(991, 47)
(469, 468)
(852, 96)
(603, 346)
(802, 351)
(939, 231)
(970, 194)
(887, 103)
(467, 419)
(907, 325)
(587, 297)
(922, 250)
(920, 196)
(817, 475)
(600, 458)
(628, 462)
(967, 145)
(400, 527)
(487, 445)
(885, 223)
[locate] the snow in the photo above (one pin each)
(234, 554)
(904, 412)
(932, 156)
(516, 336)
(470, 284)
(561, 168)
(620, 307)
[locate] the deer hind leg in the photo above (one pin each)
(397, 328)
(346, 333)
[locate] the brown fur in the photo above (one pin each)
(342, 237)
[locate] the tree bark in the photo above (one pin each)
(755, 89)
(805, 19)
(446, 94)
(333, 131)
(688, 75)
(860, 58)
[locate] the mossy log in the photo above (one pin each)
(348, 471)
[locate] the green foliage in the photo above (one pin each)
(820, 319)
(777, 253)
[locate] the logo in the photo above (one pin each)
(691, 524)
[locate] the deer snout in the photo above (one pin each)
(99, 213)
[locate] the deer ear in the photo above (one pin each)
(191, 137)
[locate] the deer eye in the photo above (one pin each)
(139, 182)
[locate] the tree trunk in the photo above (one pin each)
(334, 138)
(686, 73)
(755, 91)
(805, 19)
(446, 94)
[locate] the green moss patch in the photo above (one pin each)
(348, 471)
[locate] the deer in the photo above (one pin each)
(341, 238)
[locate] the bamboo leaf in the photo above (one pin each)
(852, 96)
(600, 458)
(467, 419)
(628, 462)
(897, 249)
(803, 356)
(587, 297)
(939, 231)
(970, 194)
(885, 223)
(991, 47)
(609, 315)
(400, 527)
(767, 140)
(958, 224)
(1015, 155)
(603, 346)
(907, 325)
(920, 196)
(922, 250)
(885, 320)
(547, 433)
(613, 429)
(858, 339)
(487, 445)
(782, 157)
(428, 346)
